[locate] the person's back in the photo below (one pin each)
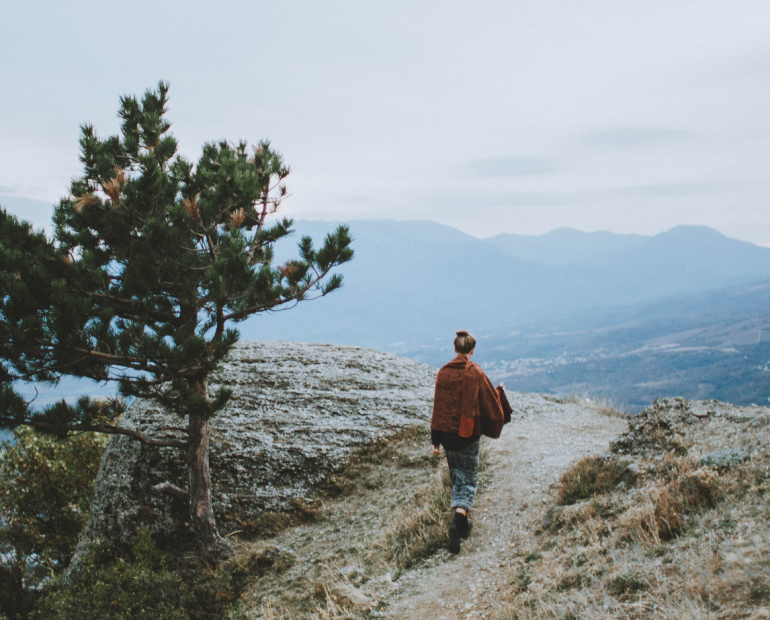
(465, 406)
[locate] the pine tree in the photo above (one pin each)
(153, 258)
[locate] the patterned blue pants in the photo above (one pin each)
(464, 472)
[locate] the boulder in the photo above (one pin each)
(299, 413)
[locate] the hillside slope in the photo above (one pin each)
(298, 415)
(370, 554)
(672, 523)
(575, 519)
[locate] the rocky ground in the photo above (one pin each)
(582, 514)
(340, 565)
(339, 511)
(545, 436)
(672, 523)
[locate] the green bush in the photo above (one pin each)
(141, 584)
(46, 488)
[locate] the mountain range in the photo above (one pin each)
(413, 281)
(567, 295)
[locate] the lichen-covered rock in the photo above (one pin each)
(298, 414)
(656, 428)
(669, 423)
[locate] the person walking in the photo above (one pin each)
(465, 406)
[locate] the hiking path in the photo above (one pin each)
(544, 438)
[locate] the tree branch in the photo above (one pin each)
(141, 308)
(269, 306)
(108, 429)
(171, 489)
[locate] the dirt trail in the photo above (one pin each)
(545, 436)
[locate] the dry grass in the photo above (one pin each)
(662, 512)
(339, 598)
(610, 408)
(589, 477)
(332, 597)
(305, 572)
(688, 541)
(266, 611)
(423, 530)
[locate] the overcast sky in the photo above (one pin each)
(492, 117)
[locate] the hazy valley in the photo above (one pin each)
(625, 317)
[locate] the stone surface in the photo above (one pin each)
(666, 425)
(299, 412)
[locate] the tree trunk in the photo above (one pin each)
(213, 547)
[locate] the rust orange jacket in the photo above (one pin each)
(466, 403)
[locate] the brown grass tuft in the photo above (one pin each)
(340, 600)
(604, 406)
(662, 513)
(424, 531)
(591, 476)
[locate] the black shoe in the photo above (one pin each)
(454, 539)
(463, 526)
(467, 532)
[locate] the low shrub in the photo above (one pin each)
(139, 583)
(591, 476)
(46, 487)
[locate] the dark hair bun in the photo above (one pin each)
(462, 333)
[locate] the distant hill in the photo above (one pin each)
(415, 280)
(686, 259)
(707, 345)
(579, 303)
(565, 246)
(411, 282)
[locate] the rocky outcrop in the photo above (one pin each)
(299, 412)
(674, 424)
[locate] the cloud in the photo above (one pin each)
(674, 189)
(464, 201)
(7, 190)
(632, 137)
(513, 166)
